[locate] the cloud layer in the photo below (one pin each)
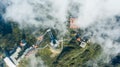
(98, 16)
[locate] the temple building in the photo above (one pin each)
(73, 23)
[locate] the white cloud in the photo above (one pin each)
(95, 10)
(96, 15)
(41, 13)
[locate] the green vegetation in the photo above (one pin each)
(23, 63)
(72, 55)
(45, 55)
(12, 35)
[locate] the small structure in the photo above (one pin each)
(86, 39)
(84, 42)
(78, 38)
(53, 41)
(9, 62)
(40, 38)
(14, 59)
(23, 43)
(73, 23)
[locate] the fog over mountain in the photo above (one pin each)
(101, 17)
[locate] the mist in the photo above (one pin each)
(35, 62)
(38, 13)
(102, 18)
(97, 16)
(97, 10)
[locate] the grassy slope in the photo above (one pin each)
(71, 56)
